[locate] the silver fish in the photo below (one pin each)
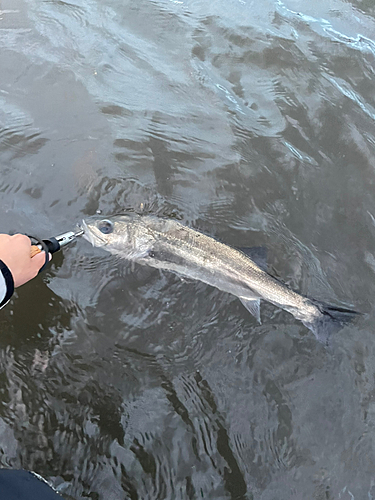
(168, 244)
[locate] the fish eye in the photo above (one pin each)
(105, 226)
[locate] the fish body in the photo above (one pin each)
(169, 245)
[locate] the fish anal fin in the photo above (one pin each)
(257, 254)
(253, 306)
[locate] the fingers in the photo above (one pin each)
(21, 239)
(15, 253)
(39, 260)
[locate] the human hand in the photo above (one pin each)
(15, 253)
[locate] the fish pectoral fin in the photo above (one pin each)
(253, 306)
(257, 254)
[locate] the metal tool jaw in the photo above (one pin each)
(66, 238)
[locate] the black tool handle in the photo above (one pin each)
(52, 244)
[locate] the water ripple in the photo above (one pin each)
(252, 122)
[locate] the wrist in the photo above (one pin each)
(8, 281)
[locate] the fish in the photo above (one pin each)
(169, 245)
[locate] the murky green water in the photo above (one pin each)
(251, 121)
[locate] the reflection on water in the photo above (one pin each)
(253, 122)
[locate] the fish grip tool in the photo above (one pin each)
(52, 245)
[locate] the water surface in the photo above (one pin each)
(251, 121)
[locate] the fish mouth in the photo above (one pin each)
(93, 235)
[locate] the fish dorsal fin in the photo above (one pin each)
(257, 254)
(253, 306)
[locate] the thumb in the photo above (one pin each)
(39, 259)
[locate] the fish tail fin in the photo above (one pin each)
(331, 320)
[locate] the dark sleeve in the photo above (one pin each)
(6, 284)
